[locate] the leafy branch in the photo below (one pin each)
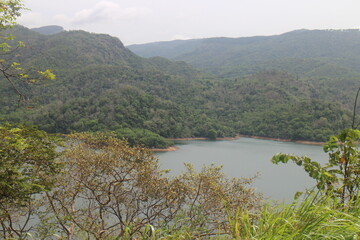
(12, 71)
(340, 176)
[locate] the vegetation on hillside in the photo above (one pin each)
(327, 59)
(300, 52)
(108, 88)
(100, 187)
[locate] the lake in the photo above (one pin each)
(246, 157)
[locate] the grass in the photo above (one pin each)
(314, 217)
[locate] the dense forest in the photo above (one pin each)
(302, 52)
(102, 86)
(327, 59)
(94, 185)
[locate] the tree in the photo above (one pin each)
(212, 134)
(9, 11)
(108, 189)
(340, 177)
(27, 168)
(27, 162)
(142, 137)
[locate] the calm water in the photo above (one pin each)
(246, 157)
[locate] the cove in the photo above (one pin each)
(245, 157)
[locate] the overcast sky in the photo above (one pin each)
(141, 21)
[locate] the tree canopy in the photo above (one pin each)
(27, 162)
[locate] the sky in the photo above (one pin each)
(143, 21)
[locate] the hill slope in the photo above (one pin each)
(238, 56)
(101, 85)
(327, 59)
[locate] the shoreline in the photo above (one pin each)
(174, 148)
(169, 149)
(204, 138)
(249, 136)
(285, 140)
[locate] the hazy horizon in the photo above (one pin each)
(141, 21)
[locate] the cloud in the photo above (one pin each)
(107, 10)
(99, 14)
(31, 19)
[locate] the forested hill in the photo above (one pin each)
(301, 52)
(103, 86)
(329, 60)
(68, 50)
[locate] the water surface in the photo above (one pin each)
(245, 157)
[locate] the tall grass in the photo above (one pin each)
(314, 217)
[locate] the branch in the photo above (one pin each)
(8, 78)
(195, 199)
(354, 112)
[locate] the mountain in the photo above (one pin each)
(327, 59)
(103, 86)
(49, 30)
(70, 50)
(300, 52)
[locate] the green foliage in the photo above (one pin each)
(314, 217)
(47, 74)
(326, 59)
(340, 176)
(344, 156)
(27, 162)
(102, 86)
(303, 52)
(9, 11)
(10, 68)
(142, 137)
(109, 190)
(212, 134)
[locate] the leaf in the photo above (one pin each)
(47, 74)
(328, 174)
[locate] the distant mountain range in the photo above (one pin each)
(328, 58)
(301, 52)
(298, 85)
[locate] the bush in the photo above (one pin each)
(143, 137)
